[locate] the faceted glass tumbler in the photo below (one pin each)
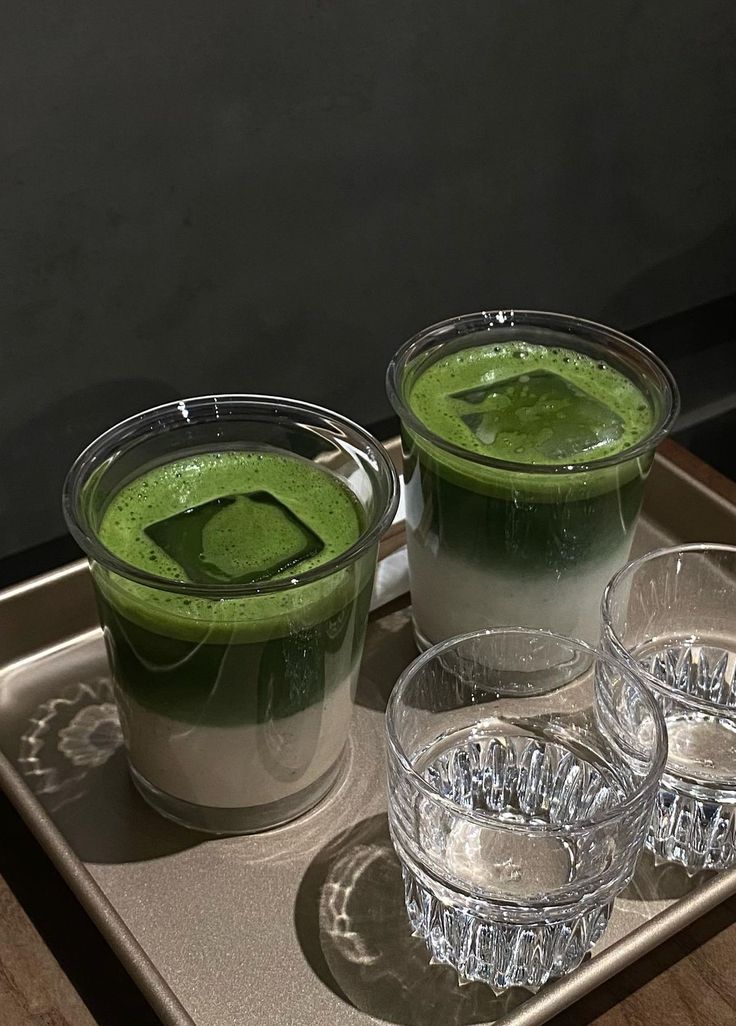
(672, 616)
(522, 772)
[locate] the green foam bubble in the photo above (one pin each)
(281, 501)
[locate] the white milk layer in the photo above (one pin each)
(238, 766)
(451, 595)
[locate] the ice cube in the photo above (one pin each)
(236, 539)
(537, 414)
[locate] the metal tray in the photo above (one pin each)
(303, 925)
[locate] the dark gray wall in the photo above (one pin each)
(271, 196)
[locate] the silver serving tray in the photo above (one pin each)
(304, 925)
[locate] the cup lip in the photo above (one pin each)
(619, 650)
(137, 425)
(487, 319)
(649, 784)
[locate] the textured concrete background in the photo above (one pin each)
(271, 196)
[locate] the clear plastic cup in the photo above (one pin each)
(235, 698)
(492, 541)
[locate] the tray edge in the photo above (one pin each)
(563, 993)
(93, 899)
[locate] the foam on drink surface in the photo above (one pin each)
(234, 517)
(530, 404)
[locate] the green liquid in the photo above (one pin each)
(496, 545)
(233, 517)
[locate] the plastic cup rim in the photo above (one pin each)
(104, 447)
(644, 446)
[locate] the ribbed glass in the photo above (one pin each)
(670, 614)
(522, 770)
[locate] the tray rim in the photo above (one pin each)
(698, 470)
(92, 898)
(537, 1009)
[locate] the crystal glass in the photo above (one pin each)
(235, 692)
(672, 616)
(522, 771)
(493, 542)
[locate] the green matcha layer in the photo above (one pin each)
(231, 681)
(231, 517)
(528, 404)
(518, 533)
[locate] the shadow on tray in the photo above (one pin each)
(389, 648)
(111, 822)
(661, 883)
(352, 927)
(71, 756)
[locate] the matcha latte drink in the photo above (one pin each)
(232, 543)
(527, 440)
